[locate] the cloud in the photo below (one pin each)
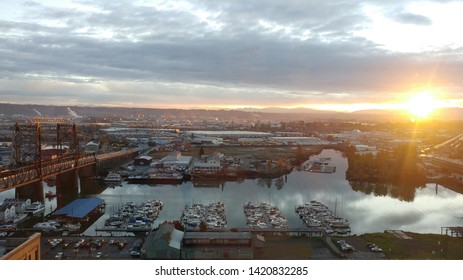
(252, 53)
(410, 18)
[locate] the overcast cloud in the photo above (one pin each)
(239, 53)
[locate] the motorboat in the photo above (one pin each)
(113, 177)
(45, 226)
(35, 208)
(72, 227)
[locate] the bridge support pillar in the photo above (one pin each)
(34, 191)
(87, 171)
(67, 187)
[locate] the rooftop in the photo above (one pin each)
(79, 208)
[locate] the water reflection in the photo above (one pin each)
(369, 208)
(404, 193)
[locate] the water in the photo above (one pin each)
(422, 210)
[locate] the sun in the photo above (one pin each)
(422, 104)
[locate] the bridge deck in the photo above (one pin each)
(24, 175)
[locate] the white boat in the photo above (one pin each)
(35, 208)
(113, 177)
(45, 226)
(72, 227)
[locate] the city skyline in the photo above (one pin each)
(342, 56)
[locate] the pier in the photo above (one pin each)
(310, 232)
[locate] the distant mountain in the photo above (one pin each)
(285, 110)
(445, 114)
(274, 113)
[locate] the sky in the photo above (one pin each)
(343, 55)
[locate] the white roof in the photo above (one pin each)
(145, 157)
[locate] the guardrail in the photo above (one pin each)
(19, 176)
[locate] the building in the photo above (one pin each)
(175, 159)
(19, 204)
(298, 140)
(365, 149)
(169, 243)
(23, 248)
(217, 245)
(143, 161)
(81, 209)
(164, 243)
(207, 165)
(7, 213)
(232, 134)
(203, 140)
(53, 151)
(92, 147)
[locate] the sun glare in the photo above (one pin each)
(422, 104)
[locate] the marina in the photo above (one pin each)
(264, 215)
(317, 215)
(133, 217)
(212, 216)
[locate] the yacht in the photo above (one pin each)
(35, 208)
(113, 177)
(45, 226)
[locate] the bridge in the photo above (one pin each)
(39, 171)
(30, 163)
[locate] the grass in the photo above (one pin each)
(420, 247)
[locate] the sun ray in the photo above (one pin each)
(422, 104)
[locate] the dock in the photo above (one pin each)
(310, 232)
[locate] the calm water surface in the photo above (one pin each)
(427, 211)
(423, 210)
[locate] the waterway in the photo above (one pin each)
(368, 208)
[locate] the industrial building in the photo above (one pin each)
(23, 248)
(143, 161)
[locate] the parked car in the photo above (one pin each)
(60, 255)
(376, 249)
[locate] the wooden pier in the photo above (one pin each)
(310, 232)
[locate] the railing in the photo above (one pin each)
(20, 176)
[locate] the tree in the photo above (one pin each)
(279, 183)
(300, 155)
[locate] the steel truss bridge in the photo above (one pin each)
(29, 166)
(21, 176)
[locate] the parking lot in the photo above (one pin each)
(88, 248)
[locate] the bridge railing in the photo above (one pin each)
(17, 176)
(20, 175)
(38, 171)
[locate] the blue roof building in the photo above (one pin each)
(79, 208)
